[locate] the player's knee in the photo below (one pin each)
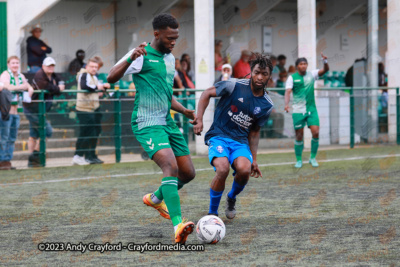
(188, 175)
(170, 169)
(244, 170)
(222, 170)
(315, 134)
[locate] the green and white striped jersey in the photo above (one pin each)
(153, 76)
(303, 91)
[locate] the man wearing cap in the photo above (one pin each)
(44, 79)
(226, 73)
(242, 67)
(304, 108)
(36, 49)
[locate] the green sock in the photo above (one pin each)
(314, 147)
(158, 193)
(180, 184)
(169, 189)
(298, 149)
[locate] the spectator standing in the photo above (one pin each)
(275, 71)
(242, 66)
(36, 49)
(177, 79)
(382, 75)
(219, 60)
(76, 64)
(186, 80)
(226, 73)
(190, 71)
(13, 80)
(89, 115)
(281, 63)
(44, 79)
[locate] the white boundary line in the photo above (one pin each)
(197, 170)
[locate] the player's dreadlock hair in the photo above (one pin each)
(163, 21)
(263, 62)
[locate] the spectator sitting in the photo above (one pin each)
(281, 82)
(281, 63)
(14, 81)
(89, 115)
(226, 73)
(44, 79)
(76, 64)
(36, 49)
(242, 66)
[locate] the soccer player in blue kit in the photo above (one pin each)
(233, 138)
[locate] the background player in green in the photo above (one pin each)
(153, 67)
(304, 108)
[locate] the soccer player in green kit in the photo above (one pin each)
(153, 67)
(304, 108)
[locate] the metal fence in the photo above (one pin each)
(346, 118)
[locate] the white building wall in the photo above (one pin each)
(69, 26)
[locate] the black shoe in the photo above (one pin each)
(230, 211)
(34, 159)
(91, 161)
(212, 214)
(97, 160)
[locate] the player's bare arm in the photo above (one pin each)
(178, 107)
(326, 66)
(254, 137)
(201, 107)
(287, 99)
(117, 72)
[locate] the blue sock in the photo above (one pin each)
(236, 189)
(215, 198)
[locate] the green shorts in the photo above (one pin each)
(300, 119)
(155, 138)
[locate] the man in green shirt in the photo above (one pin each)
(153, 67)
(304, 108)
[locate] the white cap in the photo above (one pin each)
(36, 26)
(49, 61)
(225, 66)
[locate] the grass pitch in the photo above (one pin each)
(346, 213)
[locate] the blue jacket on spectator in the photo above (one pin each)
(36, 54)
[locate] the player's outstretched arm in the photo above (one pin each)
(118, 71)
(326, 66)
(178, 107)
(201, 107)
(254, 138)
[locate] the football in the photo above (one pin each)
(210, 229)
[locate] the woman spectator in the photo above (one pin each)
(13, 81)
(186, 81)
(219, 60)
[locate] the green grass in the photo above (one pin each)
(342, 213)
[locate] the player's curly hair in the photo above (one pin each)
(163, 21)
(263, 62)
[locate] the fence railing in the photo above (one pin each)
(116, 112)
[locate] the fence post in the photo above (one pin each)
(351, 117)
(42, 129)
(185, 120)
(117, 126)
(398, 114)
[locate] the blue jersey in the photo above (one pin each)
(238, 110)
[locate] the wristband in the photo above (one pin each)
(129, 60)
(325, 61)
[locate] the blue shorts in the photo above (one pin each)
(219, 147)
